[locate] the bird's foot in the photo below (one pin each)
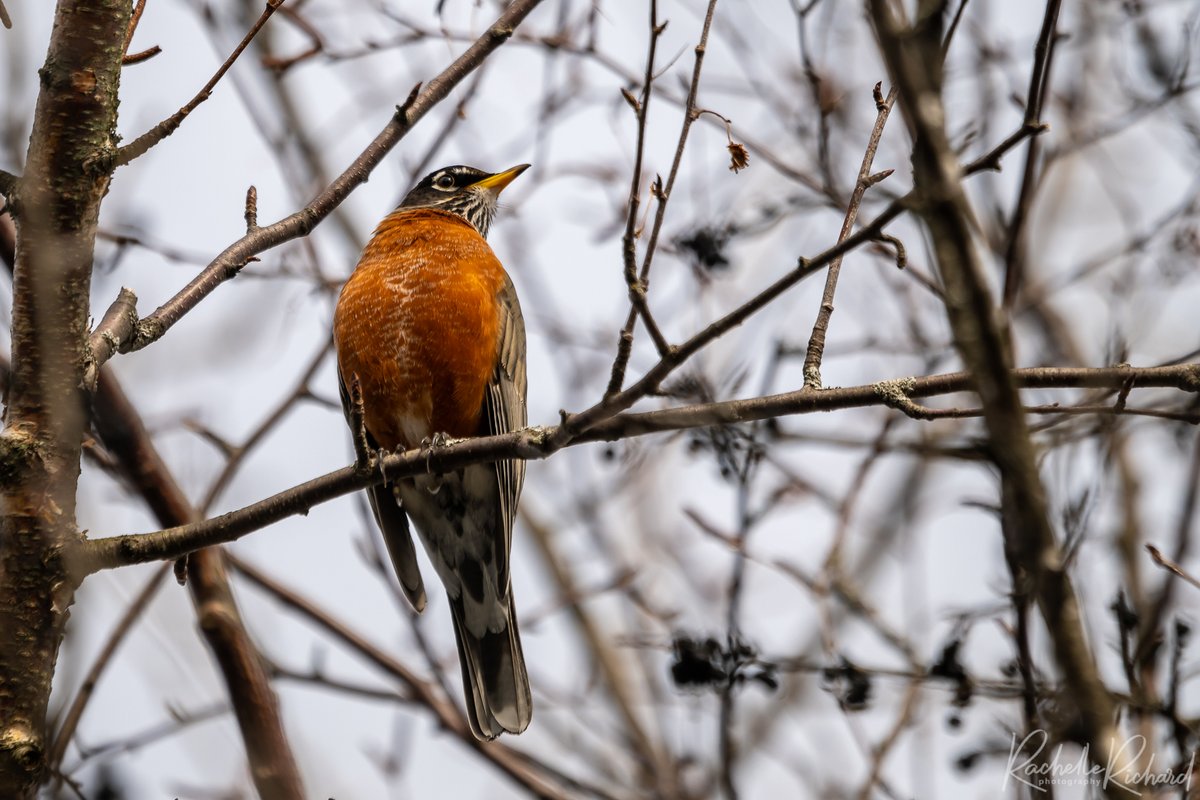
(431, 444)
(436, 440)
(378, 457)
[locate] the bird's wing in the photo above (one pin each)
(392, 521)
(504, 411)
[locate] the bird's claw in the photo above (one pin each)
(436, 440)
(430, 444)
(379, 455)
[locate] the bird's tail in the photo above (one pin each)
(494, 678)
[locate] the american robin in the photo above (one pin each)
(430, 327)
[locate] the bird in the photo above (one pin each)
(429, 329)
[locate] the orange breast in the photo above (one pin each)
(419, 324)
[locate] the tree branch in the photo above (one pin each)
(444, 710)
(539, 443)
(114, 331)
(162, 130)
(272, 765)
(816, 341)
(230, 262)
(629, 239)
(59, 198)
(650, 382)
(1038, 567)
(74, 713)
(1039, 78)
(637, 290)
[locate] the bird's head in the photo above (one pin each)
(468, 192)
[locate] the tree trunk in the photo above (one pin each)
(56, 205)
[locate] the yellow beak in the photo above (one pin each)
(498, 181)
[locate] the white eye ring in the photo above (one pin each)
(443, 181)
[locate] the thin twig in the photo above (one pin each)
(316, 44)
(816, 342)
(141, 55)
(954, 23)
(447, 713)
(662, 192)
(891, 739)
(1039, 79)
(690, 115)
(819, 90)
(133, 23)
(1170, 566)
(1151, 625)
(237, 454)
(302, 222)
(317, 678)
(727, 747)
(629, 239)
(74, 713)
(162, 130)
(154, 734)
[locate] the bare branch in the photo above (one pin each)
(111, 335)
(1170, 566)
(638, 288)
(816, 341)
(237, 255)
(538, 443)
(141, 55)
(255, 705)
(74, 713)
(1038, 568)
(138, 9)
(1039, 78)
(629, 239)
(162, 130)
(447, 714)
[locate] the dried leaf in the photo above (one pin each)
(739, 157)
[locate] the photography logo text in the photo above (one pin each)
(1128, 766)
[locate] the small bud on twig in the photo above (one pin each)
(633, 101)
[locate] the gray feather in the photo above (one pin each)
(393, 524)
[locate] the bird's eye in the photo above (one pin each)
(444, 181)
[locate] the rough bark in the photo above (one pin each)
(56, 206)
